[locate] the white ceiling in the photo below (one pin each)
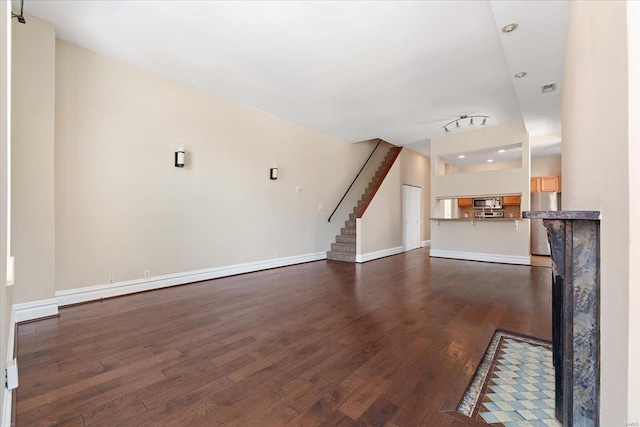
(354, 70)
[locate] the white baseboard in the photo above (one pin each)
(6, 408)
(91, 293)
(379, 254)
(425, 243)
(35, 309)
(474, 256)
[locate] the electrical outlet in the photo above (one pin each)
(320, 207)
(12, 374)
(112, 278)
(147, 274)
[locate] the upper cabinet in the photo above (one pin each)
(465, 203)
(545, 184)
(510, 200)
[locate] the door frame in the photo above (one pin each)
(404, 222)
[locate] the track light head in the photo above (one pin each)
(464, 117)
(21, 16)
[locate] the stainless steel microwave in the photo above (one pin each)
(488, 203)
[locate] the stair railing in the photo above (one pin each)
(355, 179)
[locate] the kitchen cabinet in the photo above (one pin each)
(545, 183)
(511, 200)
(465, 203)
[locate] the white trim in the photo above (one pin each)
(90, 293)
(11, 339)
(474, 256)
(425, 243)
(6, 409)
(379, 254)
(8, 394)
(35, 309)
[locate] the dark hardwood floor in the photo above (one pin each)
(391, 342)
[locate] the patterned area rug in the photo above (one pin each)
(514, 384)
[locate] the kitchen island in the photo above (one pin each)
(481, 239)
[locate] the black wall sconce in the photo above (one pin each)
(179, 158)
(273, 173)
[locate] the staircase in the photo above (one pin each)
(344, 249)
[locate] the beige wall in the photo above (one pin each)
(546, 166)
(123, 208)
(507, 181)
(487, 167)
(598, 172)
(5, 293)
(460, 236)
(33, 102)
(380, 227)
(633, 18)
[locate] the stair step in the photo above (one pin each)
(346, 239)
(343, 248)
(348, 231)
(337, 256)
(348, 223)
(352, 217)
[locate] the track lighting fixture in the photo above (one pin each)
(463, 117)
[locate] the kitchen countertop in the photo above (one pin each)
(593, 215)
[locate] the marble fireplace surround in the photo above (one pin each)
(575, 250)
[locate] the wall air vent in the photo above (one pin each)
(551, 87)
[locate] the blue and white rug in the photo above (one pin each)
(514, 385)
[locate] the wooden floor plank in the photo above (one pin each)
(390, 342)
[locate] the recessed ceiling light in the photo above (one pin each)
(461, 156)
(501, 151)
(490, 161)
(520, 74)
(509, 28)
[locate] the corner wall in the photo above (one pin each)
(32, 197)
(478, 240)
(380, 231)
(600, 117)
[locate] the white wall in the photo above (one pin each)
(6, 297)
(123, 208)
(381, 225)
(459, 236)
(599, 172)
(33, 102)
(546, 166)
(633, 18)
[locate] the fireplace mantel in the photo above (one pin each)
(575, 250)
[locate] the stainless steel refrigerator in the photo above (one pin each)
(547, 201)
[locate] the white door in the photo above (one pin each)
(411, 202)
